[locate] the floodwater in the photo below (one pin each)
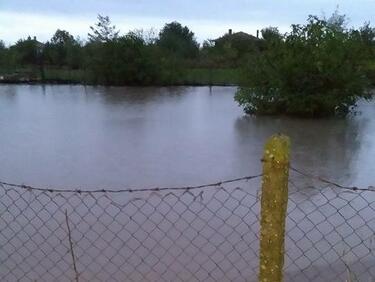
(97, 137)
(119, 137)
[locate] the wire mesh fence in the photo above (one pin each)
(330, 232)
(202, 233)
(183, 235)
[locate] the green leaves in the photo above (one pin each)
(103, 31)
(315, 70)
(178, 40)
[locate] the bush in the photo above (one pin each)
(315, 70)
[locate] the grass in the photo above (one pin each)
(204, 76)
(192, 76)
(50, 74)
(64, 75)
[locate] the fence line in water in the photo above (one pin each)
(370, 188)
(129, 190)
(183, 233)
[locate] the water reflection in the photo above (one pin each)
(139, 95)
(8, 92)
(114, 137)
(129, 136)
(326, 147)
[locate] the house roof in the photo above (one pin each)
(236, 36)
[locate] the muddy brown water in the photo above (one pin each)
(119, 137)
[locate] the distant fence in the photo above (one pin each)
(201, 233)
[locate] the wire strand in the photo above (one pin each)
(321, 179)
(128, 190)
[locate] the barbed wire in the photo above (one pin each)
(329, 182)
(192, 187)
(106, 237)
(181, 236)
(128, 190)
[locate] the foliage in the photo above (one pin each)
(228, 51)
(337, 21)
(271, 34)
(127, 60)
(27, 52)
(103, 31)
(62, 50)
(3, 53)
(178, 41)
(367, 35)
(315, 70)
(235, 46)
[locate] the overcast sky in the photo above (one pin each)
(207, 18)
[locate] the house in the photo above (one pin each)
(237, 45)
(241, 41)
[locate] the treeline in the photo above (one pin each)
(136, 58)
(173, 56)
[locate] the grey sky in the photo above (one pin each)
(207, 18)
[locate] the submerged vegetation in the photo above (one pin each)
(317, 69)
(320, 68)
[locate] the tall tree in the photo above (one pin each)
(27, 51)
(178, 40)
(271, 33)
(62, 49)
(103, 30)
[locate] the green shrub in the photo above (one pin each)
(315, 70)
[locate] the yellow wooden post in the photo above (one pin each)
(273, 208)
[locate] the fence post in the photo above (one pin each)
(273, 208)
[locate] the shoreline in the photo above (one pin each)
(67, 82)
(188, 77)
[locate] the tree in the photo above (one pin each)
(134, 62)
(315, 70)
(367, 35)
(129, 60)
(271, 33)
(3, 53)
(27, 51)
(62, 37)
(62, 50)
(337, 21)
(178, 41)
(103, 31)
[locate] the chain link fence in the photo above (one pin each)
(330, 232)
(202, 233)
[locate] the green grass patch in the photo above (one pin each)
(64, 75)
(205, 76)
(192, 76)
